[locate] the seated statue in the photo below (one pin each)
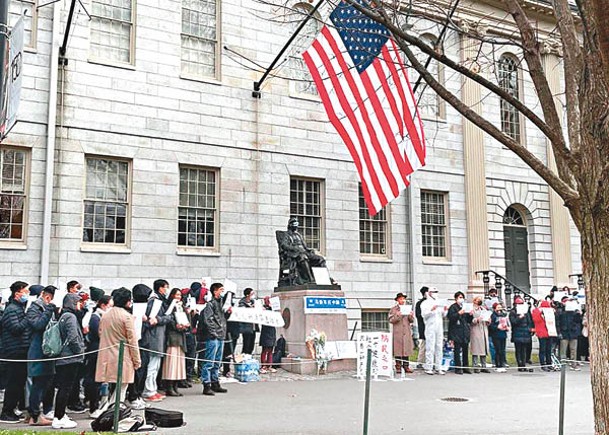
(295, 258)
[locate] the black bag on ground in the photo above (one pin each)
(163, 417)
(279, 352)
(105, 422)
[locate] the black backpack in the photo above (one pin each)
(105, 422)
(279, 352)
(164, 417)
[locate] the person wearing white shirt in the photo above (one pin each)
(433, 315)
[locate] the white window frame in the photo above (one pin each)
(217, 77)
(108, 246)
(383, 216)
(30, 6)
(446, 226)
(189, 249)
(20, 243)
(380, 313)
(112, 62)
(520, 90)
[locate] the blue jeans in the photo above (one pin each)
(213, 358)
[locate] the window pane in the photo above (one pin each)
(196, 212)
(305, 204)
(12, 193)
(111, 30)
(433, 220)
(199, 38)
(507, 70)
(375, 321)
(372, 230)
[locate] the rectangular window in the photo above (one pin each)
(198, 208)
(13, 193)
(433, 220)
(106, 205)
(306, 205)
(375, 321)
(200, 38)
(27, 9)
(112, 28)
(373, 230)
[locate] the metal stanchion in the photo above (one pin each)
(367, 393)
(561, 409)
(119, 385)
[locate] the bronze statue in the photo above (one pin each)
(295, 257)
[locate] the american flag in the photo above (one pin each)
(365, 90)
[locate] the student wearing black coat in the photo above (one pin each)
(522, 325)
(268, 337)
(459, 333)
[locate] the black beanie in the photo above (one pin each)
(121, 296)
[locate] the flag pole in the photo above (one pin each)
(256, 93)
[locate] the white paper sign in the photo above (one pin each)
(405, 309)
(228, 302)
(522, 309)
(380, 343)
(59, 295)
(170, 308)
(275, 303)
(490, 302)
(441, 302)
(322, 277)
(468, 307)
(571, 306)
(346, 349)
(156, 307)
(191, 302)
(559, 295)
(263, 317)
(230, 286)
(139, 311)
(6, 295)
(550, 318)
(485, 315)
(86, 319)
(182, 318)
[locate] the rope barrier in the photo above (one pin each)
(57, 358)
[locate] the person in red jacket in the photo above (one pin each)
(541, 330)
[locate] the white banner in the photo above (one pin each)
(262, 317)
(13, 90)
(382, 361)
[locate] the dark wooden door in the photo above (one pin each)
(517, 256)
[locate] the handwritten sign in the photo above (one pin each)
(341, 349)
(275, 303)
(522, 309)
(485, 315)
(571, 306)
(380, 343)
(468, 307)
(139, 311)
(263, 317)
(325, 305)
(550, 318)
(405, 309)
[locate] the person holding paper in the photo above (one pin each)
(174, 364)
(522, 326)
(214, 332)
(141, 293)
(153, 337)
(569, 328)
(247, 329)
(403, 344)
(268, 336)
(498, 329)
(541, 331)
(459, 332)
(433, 314)
(481, 317)
(421, 326)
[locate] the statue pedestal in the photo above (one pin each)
(298, 326)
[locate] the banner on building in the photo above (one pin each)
(13, 77)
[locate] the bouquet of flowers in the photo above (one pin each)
(316, 342)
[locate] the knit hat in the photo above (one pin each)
(96, 293)
(141, 293)
(546, 304)
(121, 296)
(495, 305)
(518, 300)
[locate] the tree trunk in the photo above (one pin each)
(594, 233)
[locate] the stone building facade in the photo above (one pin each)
(163, 164)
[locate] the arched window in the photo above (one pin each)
(507, 70)
(430, 104)
(302, 82)
(513, 217)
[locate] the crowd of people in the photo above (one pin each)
(174, 330)
(481, 328)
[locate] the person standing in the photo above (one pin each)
(421, 327)
(522, 325)
(154, 337)
(570, 327)
(247, 329)
(116, 326)
(42, 372)
(72, 357)
(268, 336)
(433, 314)
(498, 329)
(213, 322)
(92, 393)
(459, 333)
(479, 342)
(403, 344)
(16, 334)
(541, 330)
(174, 364)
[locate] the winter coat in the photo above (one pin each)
(268, 334)
(496, 321)
(420, 321)
(71, 332)
(246, 328)
(16, 331)
(38, 317)
(213, 321)
(521, 327)
(569, 324)
(539, 321)
(175, 336)
(116, 325)
(403, 344)
(458, 324)
(154, 336)
(479, 333)
(93, 335)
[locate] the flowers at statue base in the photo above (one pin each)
(316, 342)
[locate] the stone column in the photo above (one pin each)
(475, 173)
(559, 215)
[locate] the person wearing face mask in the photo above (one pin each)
(522, 325)
(42, 372)
(72, 357)
(115, 326)
(16, 334)
(459, 332)
(479, 344)
(498, 329)
(247, 329)
(433, 314)
(213, 333)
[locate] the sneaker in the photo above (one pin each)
(49, 415)
(155, 398)
(441, 372)
(273, 370)
(138, 404)
(77, 409)
(429, 372)
(64, 423)
(18, 413)
(95, 414)
(11, 418)
(263, 371)
(501, 370)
